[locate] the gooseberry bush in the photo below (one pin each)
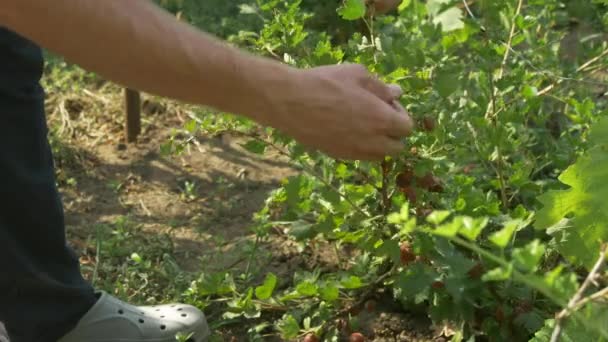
(493, 221)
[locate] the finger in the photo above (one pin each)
(385, 146)
(400, 124)
(396, 91)
(378, 88)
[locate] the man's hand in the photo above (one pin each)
(341, 110)
(344, 111)
(383, 6)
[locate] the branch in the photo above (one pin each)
(491, 107)
(579, 69)
(576, 301)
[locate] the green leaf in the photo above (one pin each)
(247, 9)
(302, 230)
(329, 291)
(265, 290)
(352, 9)
(529, 92)
(191, 126)
(289, 327)
(450, 19)
(449, 229)
(438, 216)
(528, 257)
(498, 274)
(583, 204)
(255, 146)
(415, 280)
(307, 288)
(391, 249)
(471, 228)
(446, 83)
(351, 283)
(502, 237)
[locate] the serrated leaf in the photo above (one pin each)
(415, 280)
(438, 216)
(265, 290)
(247, 9)
(584, 203)
(351, 283)
(352, 9)
(329, 292)
(307, 288)
(289, 327)
(391, 249)
(450, 18)
(502, 237)
(255, 146)
(302, 230)
(498, 274)
(471, 228)
(449, 229)
(446, 83)
(528, 257)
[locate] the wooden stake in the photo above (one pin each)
(133, 112)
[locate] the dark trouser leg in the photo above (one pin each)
(42, 293)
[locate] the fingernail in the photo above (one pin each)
(396, 90)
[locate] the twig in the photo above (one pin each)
(148, 213)
(491, 109)
(598, 295)
(574, 301)
(492, 112)
(466, 6)
(579, 69)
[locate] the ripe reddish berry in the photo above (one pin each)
(438, 285)
(410, 194)
(405, 178)
(407, 254)
(476, 271)
(499, 314)
(428, 124)
(423, 212)
(523, 306)
(468, 169)
(356, 337)
(430, 183)
(370, 305)
(311, 338)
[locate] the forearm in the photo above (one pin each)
(138, 45)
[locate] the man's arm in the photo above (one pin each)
(137, 44)
(340, 110)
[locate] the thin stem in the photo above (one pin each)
(490, 109)
(582, 68)
(574, 301)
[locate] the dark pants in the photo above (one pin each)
(42, 293)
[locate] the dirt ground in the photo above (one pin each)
(204, 199)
